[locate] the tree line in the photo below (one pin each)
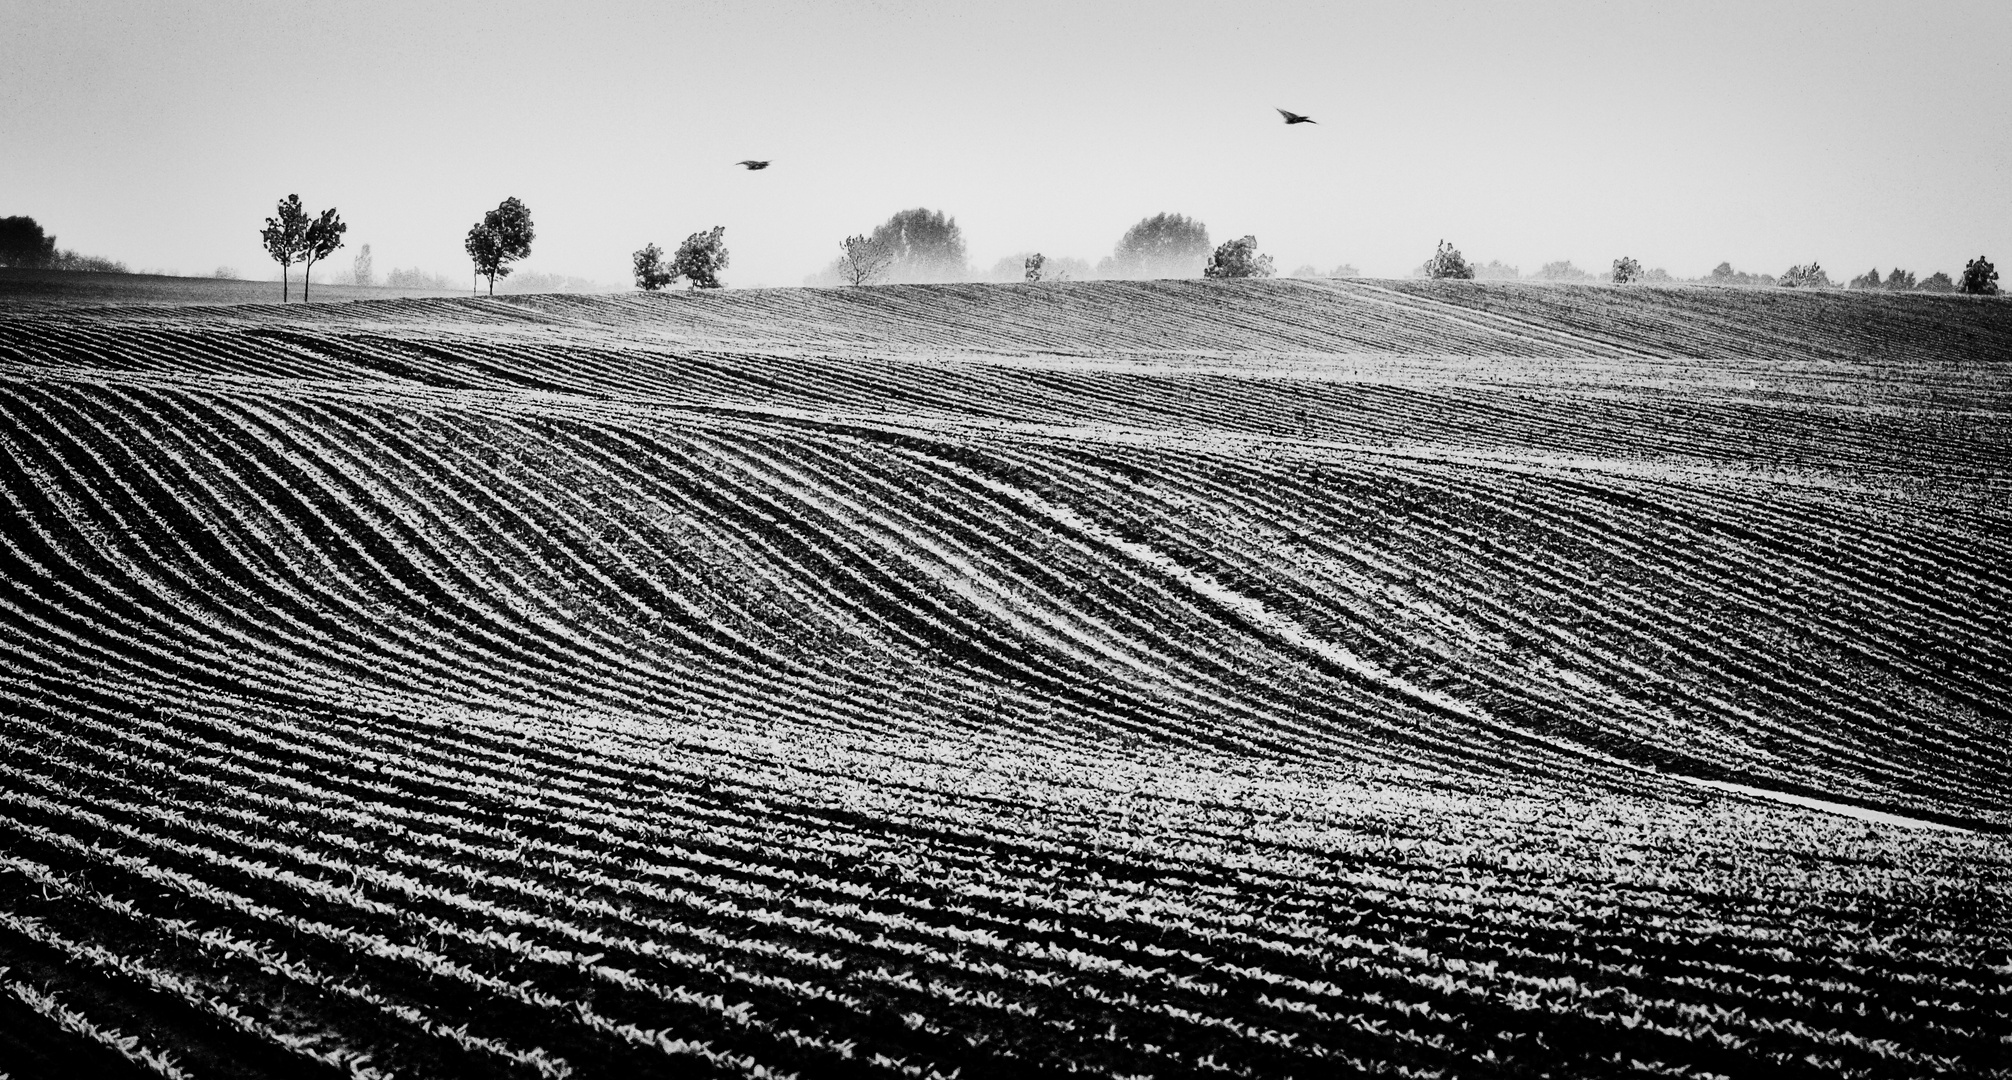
(1979, 278)
(24, 244)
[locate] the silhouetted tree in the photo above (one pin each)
(361, 268)
(1805, 277)
(1980, 278)
(285, 238)
(1867, 280)
(1034, 264)
(922, 245)
(652, 273)
(701, 257)
(324, 235)
(23, 244)
(502, 236)
(1900, 280)
(1447, 263)
(1164, 245)
(864, 260)
(1238, 259)
(1626, 270)
(1937, 282)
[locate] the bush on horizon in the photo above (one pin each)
(1238, 259)
(1980, 278)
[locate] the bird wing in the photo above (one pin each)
(1282, 112)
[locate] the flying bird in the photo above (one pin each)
(1295, 118)
(753, 165)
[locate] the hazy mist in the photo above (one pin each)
(160, 134)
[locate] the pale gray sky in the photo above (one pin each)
(1858, 134)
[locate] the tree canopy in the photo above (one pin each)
(1805, 277)
(503, 236)
(1238, 258)
(285, 238)
(1626, 270)
(1164, 245)
(922, 245)
(700, 258)
(1447, 262)
(324, 236)
(652, 273)
(1980, 278)
(22, 243)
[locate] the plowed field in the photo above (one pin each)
(1136, 679)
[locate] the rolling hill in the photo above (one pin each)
(1281, 677)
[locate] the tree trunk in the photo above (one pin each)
(306, 272)
(492, 284)
(284, 296)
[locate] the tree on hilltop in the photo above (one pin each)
(23, 244)
(1867, 280)
(1805, 277)
(652, 272)
(1899, 281)
(1937, 282)
(1980, 278)
(1626, 270)
(862, 260)
(324, 235)
(1562, 270)
(1446, 262)
(502, 236)
(1238, 259)
(922, 245)
(700, 258)
(361, 269)
(285, 238)
(1034, 264)
(1164, 245)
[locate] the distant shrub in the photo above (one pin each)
(1238, 259)
(90, 264)
(1867, 280)
(1033, 265)
(1626, 270)
(652, 272)
(535, 282)
(1980, 278)
(1562, 270)
(361, 270)
(224, 273)
(1447, 263)
(1497, 270)
(23, 244)
(1657, 276)
(1345, 270)
(1724, 274)
(701, 257)
(1937, 282)
(1804, 277)
(1164, 245)
(416, 278)
(1900, 280)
